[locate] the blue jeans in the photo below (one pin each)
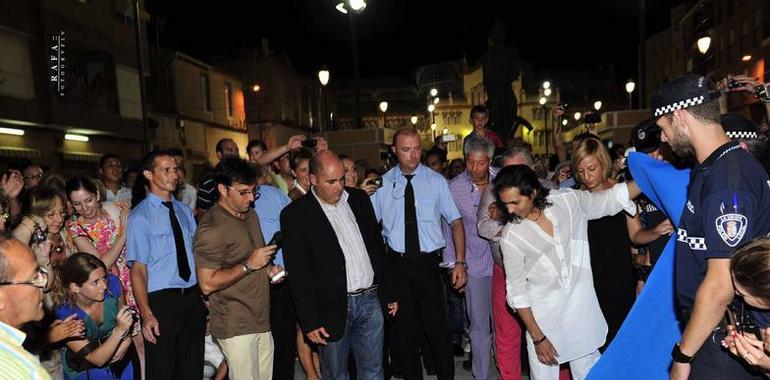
(364, 334)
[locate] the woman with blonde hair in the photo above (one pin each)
(608, 238)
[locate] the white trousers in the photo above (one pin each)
(578, 367)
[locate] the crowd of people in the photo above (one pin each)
(302, 254)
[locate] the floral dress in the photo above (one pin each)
(102, 233)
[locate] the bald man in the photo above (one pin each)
(22, 282)
(335, 255)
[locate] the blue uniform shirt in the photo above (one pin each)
(728, 204)
(150, 241)
(268, 206)
(433, 201)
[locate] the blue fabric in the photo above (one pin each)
(268, 207)
(150, 241)
(433, 201)
(642, 348)
(364, 336)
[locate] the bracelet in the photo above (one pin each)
(541, 340)
(463, 263)
(679, 357)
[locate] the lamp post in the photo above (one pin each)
(630, 86)
(255, 89)
(431, 110)
(544, 103)
(352, 7)
(384, 109)
(323, 77)
(433, 130)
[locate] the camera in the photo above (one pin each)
(761, 92)
(38, 236)
(376, 181)
(732, 83)
(309, 143)
(134, 314)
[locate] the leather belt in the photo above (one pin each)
(361, 291)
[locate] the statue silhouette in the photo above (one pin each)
(501, 68)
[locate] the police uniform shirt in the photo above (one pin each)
(728, 204)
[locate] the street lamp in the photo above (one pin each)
(630, 86)
(546, 85)
(547, 92)
(703, 44)
(564, 122)
(384, 109)
(433, 130)
(576, 116)
(433, 92)
(544, 103)
(542, 100)
(598, 105)
(255, 88)
(354, 6)
(413, 119)
(435, 100)
(323, 77)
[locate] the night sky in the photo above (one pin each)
(396, 36)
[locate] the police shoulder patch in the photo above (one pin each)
(731, 228)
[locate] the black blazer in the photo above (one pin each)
(316, 264)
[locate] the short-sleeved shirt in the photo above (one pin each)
(15, 361)
(728, 204)
(150, 241)
(222, 241)
(433, 201)
(268, 206)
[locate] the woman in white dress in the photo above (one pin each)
(548, 267)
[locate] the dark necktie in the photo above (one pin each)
(411, 237)
(181, 253)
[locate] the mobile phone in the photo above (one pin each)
(309, 143)
(278, 276)
(276, 239)
(376, 181)
(732, 83)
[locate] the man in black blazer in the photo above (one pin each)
(334, 251)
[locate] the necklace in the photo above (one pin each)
(538, 216)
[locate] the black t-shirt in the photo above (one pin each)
(728, 204)
(651, 217)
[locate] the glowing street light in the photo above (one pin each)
(323, 77)
(357, 5)
(546, 85)
(547, 92)
(255, 88)
(435, 100)
(433, 92)
(703, 44)
(630, 86)
(564, 122)
(542, 100)
(413, 119)
(431, 108)
(576, 116)
(598, 105)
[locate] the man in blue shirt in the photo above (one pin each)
(728, 203)
(159, 251)
(268, 204)
(411, 205)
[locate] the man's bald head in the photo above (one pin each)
(20, 302)
(322, 160)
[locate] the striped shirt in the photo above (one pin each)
(478, 253)
(359, 271)
(15, 362)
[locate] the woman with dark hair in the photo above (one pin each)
(85, 289)
(750, 268)
(548, 267)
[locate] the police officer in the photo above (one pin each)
(728, 203)
(411, 204)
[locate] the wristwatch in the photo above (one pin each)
(245, 266)
(679, 357)
(463, 263)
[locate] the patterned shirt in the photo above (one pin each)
(15, 362)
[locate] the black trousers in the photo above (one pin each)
(715, 362)
(283, 325)
(421, 303)
(178, 353)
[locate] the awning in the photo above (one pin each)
(81, 156)
(17, 152)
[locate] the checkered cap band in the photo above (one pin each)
(679, 105)
(743, 135)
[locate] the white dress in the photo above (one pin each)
(552, 275)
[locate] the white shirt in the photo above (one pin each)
(188, 195)
(358, 267)
(552, 275)
(124, 194)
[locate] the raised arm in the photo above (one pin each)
(609, 202)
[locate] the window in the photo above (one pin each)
(205, 92)
(228, 99)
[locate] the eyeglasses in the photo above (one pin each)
(34, 176)
(40, 281)
(254, 193)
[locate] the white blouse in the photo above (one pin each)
(552, 275)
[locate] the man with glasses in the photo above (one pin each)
(33, 175)
(233, 266)
(22, 282)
